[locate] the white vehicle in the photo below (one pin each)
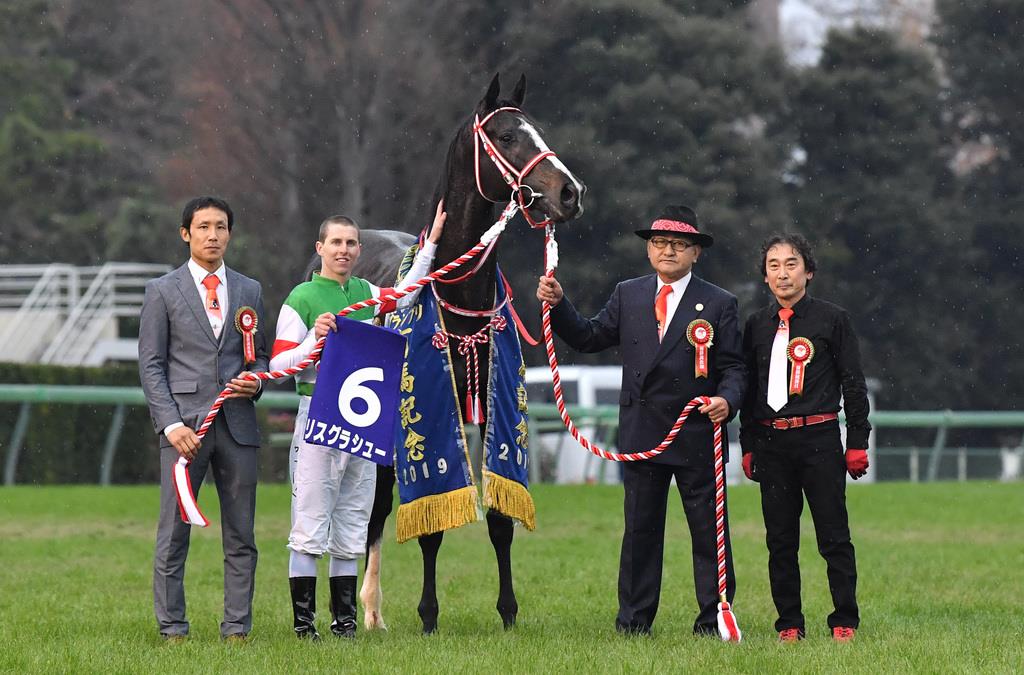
(588, 386)
(585, 386)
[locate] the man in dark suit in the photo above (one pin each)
(189, 348)
(658, 321)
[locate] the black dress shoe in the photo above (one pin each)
(706, 630)
(634, 630)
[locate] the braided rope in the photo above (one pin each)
(720, 512)
(551, 255)
(190, 512)
(467, 347)
(551, 262)
(314, 355)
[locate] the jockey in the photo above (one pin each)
(332, 491)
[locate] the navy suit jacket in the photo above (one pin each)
(658, 378)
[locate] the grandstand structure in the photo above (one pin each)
(73, 316)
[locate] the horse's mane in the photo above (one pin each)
(464, 129)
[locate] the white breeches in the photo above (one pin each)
(332, 495)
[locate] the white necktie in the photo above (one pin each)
(777, 393)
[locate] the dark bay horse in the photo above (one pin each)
(470, 185)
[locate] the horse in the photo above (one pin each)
(469, 186)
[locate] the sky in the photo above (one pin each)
(803, 31)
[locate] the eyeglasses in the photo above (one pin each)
(678, 245)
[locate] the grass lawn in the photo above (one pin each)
(941, 590)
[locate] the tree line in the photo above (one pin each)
(901, 163)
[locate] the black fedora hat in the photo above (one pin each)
(678, 220)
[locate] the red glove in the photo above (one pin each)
(748, 465)
(856, 463)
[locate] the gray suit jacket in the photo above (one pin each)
(183, 367)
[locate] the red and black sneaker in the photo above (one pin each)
(791, 635)
(843, 633)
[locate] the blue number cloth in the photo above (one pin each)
(355, 403)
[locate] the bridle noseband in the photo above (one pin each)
(512, 176)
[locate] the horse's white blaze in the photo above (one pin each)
(534, 135)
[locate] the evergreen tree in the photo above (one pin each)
(62, 189)
(872, 191)
(983, 52)
(651, 103)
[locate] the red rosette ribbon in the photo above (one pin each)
(800, 352)
(246, 322)
(700, 334)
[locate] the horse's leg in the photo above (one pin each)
(370, 594)
(500, 529)
(429, 546)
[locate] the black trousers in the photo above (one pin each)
(643, 543)
(791, 464)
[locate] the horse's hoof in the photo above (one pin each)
(428, 615)
(508, 615)
(374, 621)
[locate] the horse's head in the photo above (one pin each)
(518, 156)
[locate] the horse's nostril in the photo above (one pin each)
(569, 194)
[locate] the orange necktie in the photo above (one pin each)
(212, 305)
(661, 308)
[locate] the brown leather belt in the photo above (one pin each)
(783, 423)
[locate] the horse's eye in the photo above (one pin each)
(507, 138)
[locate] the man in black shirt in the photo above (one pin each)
(801, 355)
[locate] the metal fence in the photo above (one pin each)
(548, 440)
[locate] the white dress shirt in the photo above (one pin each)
(672, 302)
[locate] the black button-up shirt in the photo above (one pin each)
(835, 369)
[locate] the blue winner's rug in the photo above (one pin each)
(436, 487)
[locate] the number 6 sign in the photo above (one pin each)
(355, 402)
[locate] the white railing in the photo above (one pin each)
(45, 317)
(34, 302)
(116, 290)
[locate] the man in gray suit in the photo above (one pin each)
(189, 349)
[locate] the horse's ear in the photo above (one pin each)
(490, 100)
(519, 93)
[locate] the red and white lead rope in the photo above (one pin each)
(190, 512)
(728, 628)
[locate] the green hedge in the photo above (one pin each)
(64, 443)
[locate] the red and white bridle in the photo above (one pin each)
(512, 176)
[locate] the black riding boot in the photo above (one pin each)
(343, 606)
(304, 606)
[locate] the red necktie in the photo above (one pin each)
(661, 308)
(212, 305)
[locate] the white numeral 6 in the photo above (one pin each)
(352, 389)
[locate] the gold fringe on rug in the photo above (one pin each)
(436, 513)
(510, 498)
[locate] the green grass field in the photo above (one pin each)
(941, 590)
